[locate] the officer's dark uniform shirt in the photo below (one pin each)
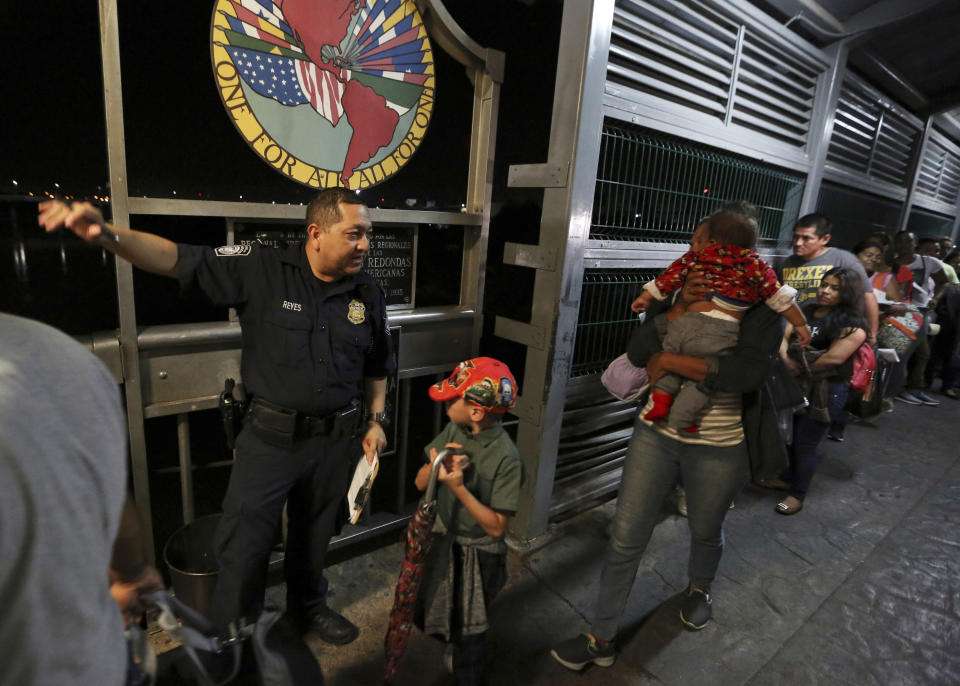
(307, 343)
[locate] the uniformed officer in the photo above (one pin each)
(315, 341)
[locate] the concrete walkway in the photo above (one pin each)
(862, 587)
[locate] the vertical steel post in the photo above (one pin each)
(113, 106)
(575, 133)
(483, 142)
(916, 164)
(403, 443)
(734, 76)
(821, 123)
(186, 465)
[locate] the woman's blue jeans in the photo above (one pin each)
(807, 435)
(712, 476)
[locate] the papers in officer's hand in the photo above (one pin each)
(359, 492)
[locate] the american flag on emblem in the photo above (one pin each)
(385, 41)
(270, 75)
(323, 90)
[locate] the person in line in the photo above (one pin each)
(947, 247)
(468, 565)
(943, 348)
(953, 259)
(714, 465)
(885, 287)
(933, 247)
(813, 257)
(63, 466)
(723, 248)
(838, 329)
(887, 267)
(929, 281)
(315, 341)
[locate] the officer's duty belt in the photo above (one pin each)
(281, 426)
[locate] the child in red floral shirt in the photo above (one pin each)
(721, 248)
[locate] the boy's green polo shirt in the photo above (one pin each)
(494, 476)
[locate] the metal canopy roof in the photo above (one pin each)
(908, 48)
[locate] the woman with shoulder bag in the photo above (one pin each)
(839, 329)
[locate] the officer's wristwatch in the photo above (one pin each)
(379, 417)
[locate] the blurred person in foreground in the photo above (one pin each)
(63, 469)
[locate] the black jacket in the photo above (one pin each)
(743, 371)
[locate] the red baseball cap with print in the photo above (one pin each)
(483, 381)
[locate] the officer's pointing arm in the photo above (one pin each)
(144, 250)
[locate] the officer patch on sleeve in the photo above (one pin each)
(356, 312)
(232, 251)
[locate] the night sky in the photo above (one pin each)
(179, 137)
(178, 134)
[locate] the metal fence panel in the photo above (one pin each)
(606, 321)
(651, 187)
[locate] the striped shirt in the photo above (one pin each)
(721, 426)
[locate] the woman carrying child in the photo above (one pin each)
(722, 248)
(713, 464)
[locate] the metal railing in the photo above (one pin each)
(653, 188)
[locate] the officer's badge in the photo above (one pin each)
(232, 251)
(356, 312)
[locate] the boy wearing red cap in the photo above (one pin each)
(467, 566)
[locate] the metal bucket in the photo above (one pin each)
(193, 566)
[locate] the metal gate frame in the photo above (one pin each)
(443, 335)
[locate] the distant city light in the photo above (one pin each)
(174, 192)
(241, 197)
(56, 185)
(15, 182)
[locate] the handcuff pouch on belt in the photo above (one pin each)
(282, 427)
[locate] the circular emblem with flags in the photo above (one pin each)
(327, 92)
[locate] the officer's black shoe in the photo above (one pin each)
(332, 627)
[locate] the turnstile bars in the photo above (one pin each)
(605, 321)
(654, 188)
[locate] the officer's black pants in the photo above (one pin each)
(312, 478)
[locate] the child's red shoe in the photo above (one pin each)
(661, 406)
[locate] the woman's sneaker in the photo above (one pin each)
(583, 650)
(695, 611)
